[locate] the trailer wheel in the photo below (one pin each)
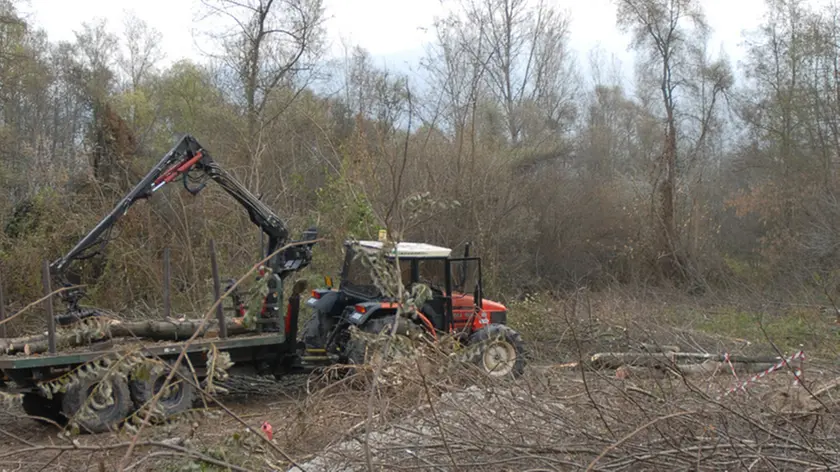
(177, 398)
(500, 351)
(42, 409)
(97, 405)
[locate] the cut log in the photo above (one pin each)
(99, 330)
(659, 348)
(13, 345)
(712, 367)
(707, 368)
(614, 360)
(172, 330)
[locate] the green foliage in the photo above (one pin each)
(529, 315)
(790, 330)
(9, 401)
(24, 220)
(255, 296)
(137, 107)
(344, 209)
(39, 231)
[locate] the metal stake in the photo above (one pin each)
(167, 276)
(217, 291)
(2, 311)
(48, 306)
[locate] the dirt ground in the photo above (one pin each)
(553, 419)
(561, 415)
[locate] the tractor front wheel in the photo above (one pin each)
(499, 350)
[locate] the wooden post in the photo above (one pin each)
(167, 277)
(2, 311)
(217, 291)
(48, 306)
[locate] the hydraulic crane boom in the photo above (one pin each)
(186, 156)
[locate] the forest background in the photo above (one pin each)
(694, 174)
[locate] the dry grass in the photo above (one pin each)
(556, 417)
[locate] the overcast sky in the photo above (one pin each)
(392, 30)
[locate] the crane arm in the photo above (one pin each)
(186, 156)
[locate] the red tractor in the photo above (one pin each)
(359, 301)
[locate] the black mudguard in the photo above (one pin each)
(372, 310)
(326, 311)
(329, 304)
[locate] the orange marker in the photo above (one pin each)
(267, 430)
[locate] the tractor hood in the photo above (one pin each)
(465, 300)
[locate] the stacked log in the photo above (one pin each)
(93, 330)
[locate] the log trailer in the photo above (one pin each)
(56, 384)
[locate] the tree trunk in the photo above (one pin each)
(667, 218)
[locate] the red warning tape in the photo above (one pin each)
(728, 359)
(797, 373)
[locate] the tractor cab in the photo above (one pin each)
(457, 303)
(455, 282)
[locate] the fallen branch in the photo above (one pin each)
(109, 447)
(827, 387)
(633, 433)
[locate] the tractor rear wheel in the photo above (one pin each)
(500, 350)
(357, 349)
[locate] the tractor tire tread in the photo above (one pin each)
(494, 331)
(356, 348)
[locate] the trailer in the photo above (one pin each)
(99, 386)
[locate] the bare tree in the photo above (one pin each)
(96, 49)
(271, 43)
(779, 58)
(143, 49)
(660, 32)
(374, 93)
(457, 80)
(523, 51)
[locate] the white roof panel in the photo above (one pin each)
(408, 249)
